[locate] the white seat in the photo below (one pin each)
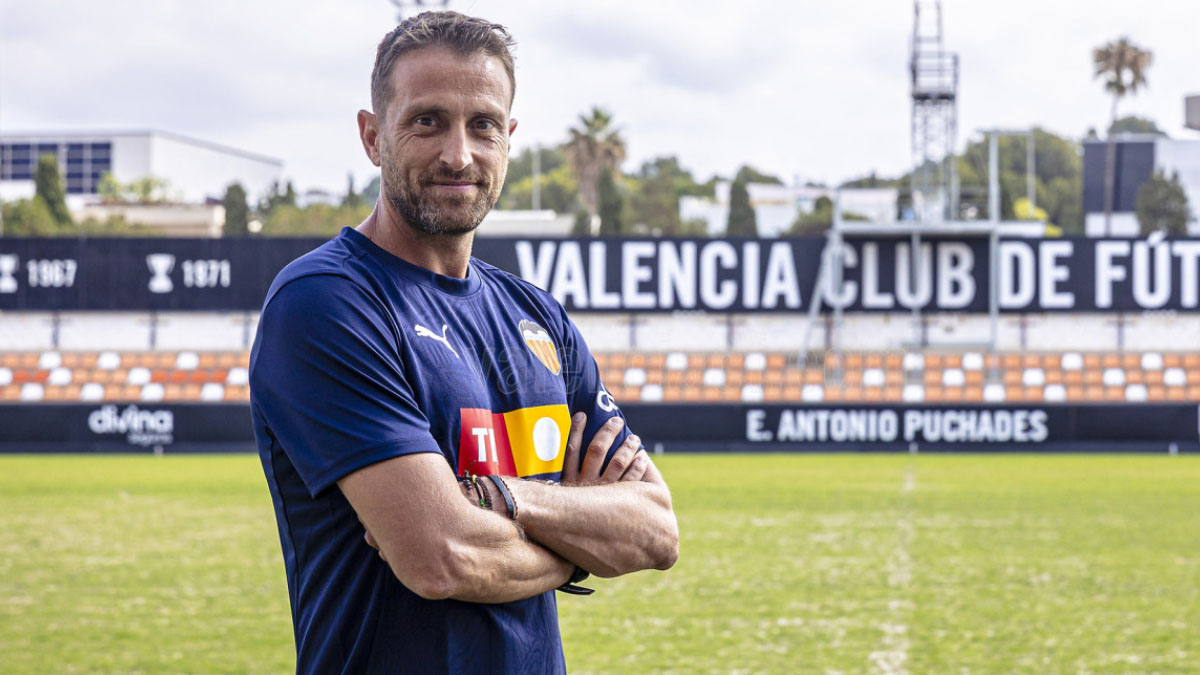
(152, 392)
(994, 393)
(677, 361)
(972, 361)
(635, 377)
(92, 391)
(32, 391)
(6, 376)
(1033, 377)
(953, 377)
(1054, 393)
(873, 377)
(914, 393)
(812, 393)
(1072, 361)
(1174, 377)
(108, 361)
(1114, 377)
(1136, 393)
(1152, 361)
(187, 361)
(237, 377)
(59, 377)
(138, 376)
(652, 393)
(714, 377)
(49, 360)
(752, 393)
(914, 361)
(756, 361)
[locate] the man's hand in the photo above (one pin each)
(629, 463)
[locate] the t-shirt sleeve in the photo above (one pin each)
(585, 392)
(328, 380)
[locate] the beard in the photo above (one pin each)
(440, 214)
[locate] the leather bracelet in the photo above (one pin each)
(579, 575)
(510, 505)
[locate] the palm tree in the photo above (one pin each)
(1123, 65)
(594, 147)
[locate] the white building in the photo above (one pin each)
(1138, 157)
(194, 170)
(776, 206)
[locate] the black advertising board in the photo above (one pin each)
(641, 275)
(151, 427)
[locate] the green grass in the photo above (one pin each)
(790, 563)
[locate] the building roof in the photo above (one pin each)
(19, 135)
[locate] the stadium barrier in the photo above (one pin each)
(640, 274)
(1158, 428)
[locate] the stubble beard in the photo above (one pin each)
(444, 214)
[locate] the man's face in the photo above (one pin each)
(443, 141)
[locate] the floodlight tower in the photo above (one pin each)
(403, 7)
(934, 88)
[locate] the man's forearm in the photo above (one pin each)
(608, 530)
(503, 568)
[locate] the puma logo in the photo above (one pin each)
(422, 331)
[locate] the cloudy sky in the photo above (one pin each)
(802, 89)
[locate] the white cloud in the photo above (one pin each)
(817, 90)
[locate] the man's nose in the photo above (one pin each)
(456, 149)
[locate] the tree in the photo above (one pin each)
(820, 218)
(748, 174)
(592, 149)
(237, 212)
(1123, 66)
(48, 186)
(742, 222)
(582, 225)
(29, 218)
(276, 197)
(1058, 177)
(610, 205)
(319, 220)
(1132, 124)
(352, 198)
(1162, 205)
(559, 191)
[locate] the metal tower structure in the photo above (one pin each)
(934, 89)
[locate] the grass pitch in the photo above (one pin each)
(790, 564)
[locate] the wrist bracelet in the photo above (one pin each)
(570, 587)
(510, 505)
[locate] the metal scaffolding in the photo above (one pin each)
(934, 91)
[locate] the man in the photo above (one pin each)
(439, 448)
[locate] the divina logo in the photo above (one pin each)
(142, 427)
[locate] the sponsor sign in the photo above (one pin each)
(645, 275)
(532, 441)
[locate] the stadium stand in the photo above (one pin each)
(670, 377)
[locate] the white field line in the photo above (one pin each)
(892, 657)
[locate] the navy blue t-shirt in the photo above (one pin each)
(361, 357)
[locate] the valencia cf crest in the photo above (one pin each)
(539, 342)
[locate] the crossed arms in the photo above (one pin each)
(440, 545)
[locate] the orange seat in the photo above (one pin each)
(791, 393)
(776, 361)
(1074, 376)
(1131, 361)
(1011, 361)
(1014, 393)
(1172, 360)
(1191, 360)
(1111, 360)
(1176, 393)
(873, 360)
(934, 394)
(1052, 361)
(1033, 394)
(774, 377)
(973, 394)
(1075, 392)
(953, 361)
(696, 361)
(1156, 393)
(656, 360)
(933, 361)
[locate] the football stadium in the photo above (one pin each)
(942, 423)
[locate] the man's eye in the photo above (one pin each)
(424, 121)
(485, 125)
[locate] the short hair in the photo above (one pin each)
(462, 34)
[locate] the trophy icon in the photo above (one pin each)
(160, 265)
(8, 267)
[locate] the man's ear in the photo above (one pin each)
(368, 133)
(512, 126)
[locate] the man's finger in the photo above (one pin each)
(598, 449)
(570, 470)
(637, 470)
(621, 459)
